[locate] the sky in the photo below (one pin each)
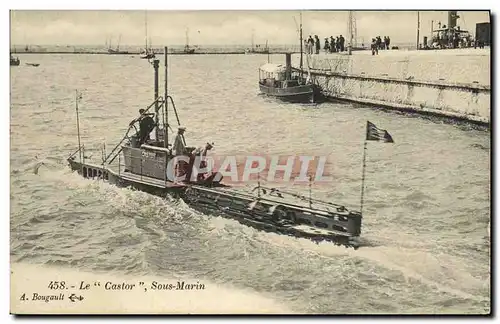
(168, 27)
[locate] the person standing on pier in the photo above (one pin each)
(378, 43)
(374, 46)
(342, 43)
(327, 46)
(310, 45)
(317, 43)
(332, 44)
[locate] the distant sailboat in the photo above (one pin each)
(148, 52)
(257, 49)
(251, 50)
(187, 49)
(117, 50)
(27, 47)
(352, 33)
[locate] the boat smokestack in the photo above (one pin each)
(452, 19)
(288, 60)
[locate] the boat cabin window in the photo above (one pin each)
(271, 71)
(272, 75)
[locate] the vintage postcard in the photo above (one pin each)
(250, 162)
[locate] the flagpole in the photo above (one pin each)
(373, 133)
(310, 192)
(78, 126)
(363, 178)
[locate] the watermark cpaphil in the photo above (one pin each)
(243, 169)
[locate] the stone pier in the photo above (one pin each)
(451, 83)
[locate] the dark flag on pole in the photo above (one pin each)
(373, 133)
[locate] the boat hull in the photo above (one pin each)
(343, 228)
(302, 94)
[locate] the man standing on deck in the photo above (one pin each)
(332, 45)
(179, 147)
(142, 115)
(200, 153)
(374, 46)
(310, 45)
(146, 125)
(317, 44)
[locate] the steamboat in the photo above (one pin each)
(144, 159)
(286, 83)
(448, 36)
(148, 53)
